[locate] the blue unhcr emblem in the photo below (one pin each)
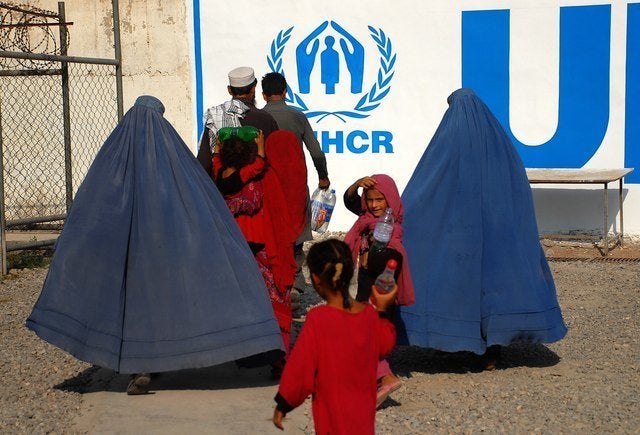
(353, 53)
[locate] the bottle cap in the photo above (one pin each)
(392, 264)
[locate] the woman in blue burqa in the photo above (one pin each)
(480, 276)
(151, 273)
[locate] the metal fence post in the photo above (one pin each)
(118, 56)
(3, 236)
(66, 115)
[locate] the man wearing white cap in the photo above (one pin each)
(240, 110)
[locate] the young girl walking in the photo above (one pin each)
(336, 355)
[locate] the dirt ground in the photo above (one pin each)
(564, 250)
(586, 383)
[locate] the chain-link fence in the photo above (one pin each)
(55, 113)
(36, 166)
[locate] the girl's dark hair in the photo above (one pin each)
(331, 260)
(236, 153)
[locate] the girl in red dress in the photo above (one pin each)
(336, 355)
(238, 166)
(241, 173)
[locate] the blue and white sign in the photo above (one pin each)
(373, 78)
(307, 54)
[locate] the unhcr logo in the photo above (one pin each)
(321, 52)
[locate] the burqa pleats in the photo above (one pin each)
(151, 272)
(479, 272)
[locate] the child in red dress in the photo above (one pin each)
(335, 358)
(238, 165)
(239, 170)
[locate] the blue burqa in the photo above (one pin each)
(151, 273)
(479, 272)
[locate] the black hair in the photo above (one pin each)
(273, 83)
(236, 153)
(243, 90)
(331, 260)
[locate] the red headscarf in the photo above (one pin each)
(366, 220)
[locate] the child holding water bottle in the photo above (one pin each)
(379, 192)
(335, 357)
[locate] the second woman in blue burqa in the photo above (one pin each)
(481, 278)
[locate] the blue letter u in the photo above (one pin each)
(584, 80)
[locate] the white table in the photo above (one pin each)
(587, 176)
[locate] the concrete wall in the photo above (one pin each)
(156, 52)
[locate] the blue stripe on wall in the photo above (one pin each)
(632, 99)
(197, 45)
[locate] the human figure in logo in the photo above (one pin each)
(329, 66)
(482, 280)
(239, 111)
(354, 59)
(274, 91)
(305, 58)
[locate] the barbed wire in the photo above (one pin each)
(27, 29)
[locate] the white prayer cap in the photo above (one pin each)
(241, 76)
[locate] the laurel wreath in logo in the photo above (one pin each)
(369, 100)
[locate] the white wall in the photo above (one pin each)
(427, 38)
(160, 57)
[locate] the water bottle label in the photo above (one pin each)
(323, 218)
(385, 284)
(382, 232)
(316, 213)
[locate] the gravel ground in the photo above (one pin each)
(40, 385)
(587, 383)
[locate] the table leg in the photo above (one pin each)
(620, 199)
(606, 218)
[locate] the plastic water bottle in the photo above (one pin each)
(383, 230)
(317, 198)
(322, 203)
(386, 280)
(317, 207)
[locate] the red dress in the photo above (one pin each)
(246, 201)
(335, 359)
(256, 201)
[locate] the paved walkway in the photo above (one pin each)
(215, 400)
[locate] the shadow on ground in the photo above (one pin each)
(407, 359)
(222, 377)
